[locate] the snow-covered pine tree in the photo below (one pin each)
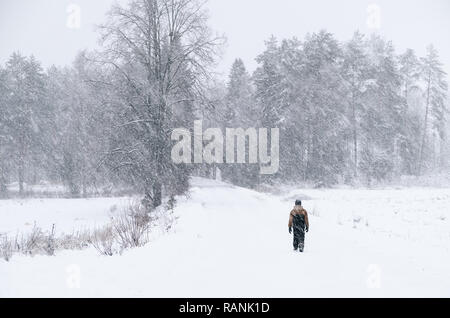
(5, 137)
(268, 81)
(26, 109)
(409, 134)
(325, 104)
(294, 132)
(436, 88)
(240, 112)
(410, 69)
(76, 135)
(381, 122)
(269, 90)
(356, 73)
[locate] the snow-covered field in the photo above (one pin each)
(233, 242)
(68, 215)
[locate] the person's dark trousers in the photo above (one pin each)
(299, 232)
(299, 239)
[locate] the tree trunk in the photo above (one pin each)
(21, 174)
(157, 194)
(83, 184)
(21, 177)
(3, 188)
(425, 128)
(309, 150)
(74, 188)
(84, 189)
(148, 198)
(355, 138)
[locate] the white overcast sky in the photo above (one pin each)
(38, 27)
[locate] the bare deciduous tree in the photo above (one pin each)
(158, 53)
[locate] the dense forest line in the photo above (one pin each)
(348, 112)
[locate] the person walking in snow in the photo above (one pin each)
(298, 218)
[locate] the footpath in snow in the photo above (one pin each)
(234, 242)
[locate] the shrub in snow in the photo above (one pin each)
(74, 241)
(50, 245)
(6, 248)
(37, 242)
(33, 243)
(131, 229)
(103, 241)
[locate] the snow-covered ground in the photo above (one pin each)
(234, 242)
(68, 215)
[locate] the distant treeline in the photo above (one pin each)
(347, 112)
